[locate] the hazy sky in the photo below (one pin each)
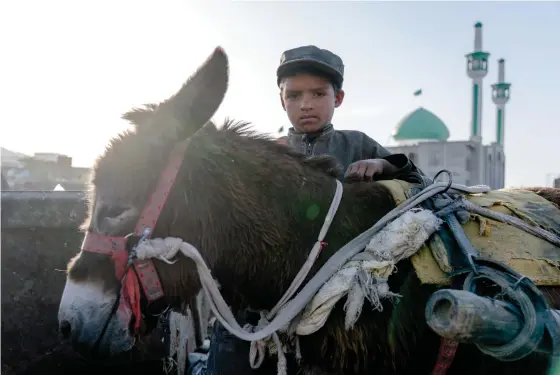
(70, 68)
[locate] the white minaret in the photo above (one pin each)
(477, 68)
(500, 96)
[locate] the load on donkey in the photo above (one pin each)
(437, 279)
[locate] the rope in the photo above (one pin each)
(257, 351)
(513, 221)
(366, 275)
(179, 338)
(315, 251)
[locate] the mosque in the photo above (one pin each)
(423, 136)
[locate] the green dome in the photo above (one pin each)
(421, 124)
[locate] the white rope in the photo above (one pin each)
(314, 253)
(179, 338)
(182, 339)
(366, 275)
(257, 351)
(166, 249)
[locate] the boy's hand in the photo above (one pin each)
(364, 170)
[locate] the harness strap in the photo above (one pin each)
(446, 354)
(137, 275)
(145, 269)
(131, 290)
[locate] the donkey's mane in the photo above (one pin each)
(230, 133)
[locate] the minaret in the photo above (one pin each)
(477, 68)
(500, 96)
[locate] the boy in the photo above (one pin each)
(310, 81)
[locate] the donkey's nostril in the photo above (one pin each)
(65, 328)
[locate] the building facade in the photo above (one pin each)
(424, 137)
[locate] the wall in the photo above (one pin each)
(431, 157)
(495, 166)
(39, 236)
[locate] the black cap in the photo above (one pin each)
(311, 57)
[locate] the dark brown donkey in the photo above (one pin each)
(254, 209)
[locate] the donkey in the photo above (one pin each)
(251, 206)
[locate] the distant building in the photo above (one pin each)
(43, 171)
(423, 136)
(59, 159)
(11, 159)
(556, 183)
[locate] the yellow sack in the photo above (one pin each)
(531, 256)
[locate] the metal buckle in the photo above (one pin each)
(132, 251)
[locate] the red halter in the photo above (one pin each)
(146, 274)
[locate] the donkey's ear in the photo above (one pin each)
(199, 98)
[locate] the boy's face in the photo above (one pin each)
(309, 101)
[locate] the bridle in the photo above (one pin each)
(138, 278)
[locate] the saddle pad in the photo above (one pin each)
(531, 256)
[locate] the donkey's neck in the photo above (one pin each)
(257, 274)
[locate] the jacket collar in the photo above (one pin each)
(295, 136)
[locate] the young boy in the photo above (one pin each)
(310, 81)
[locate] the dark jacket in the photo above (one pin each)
(349, 146)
